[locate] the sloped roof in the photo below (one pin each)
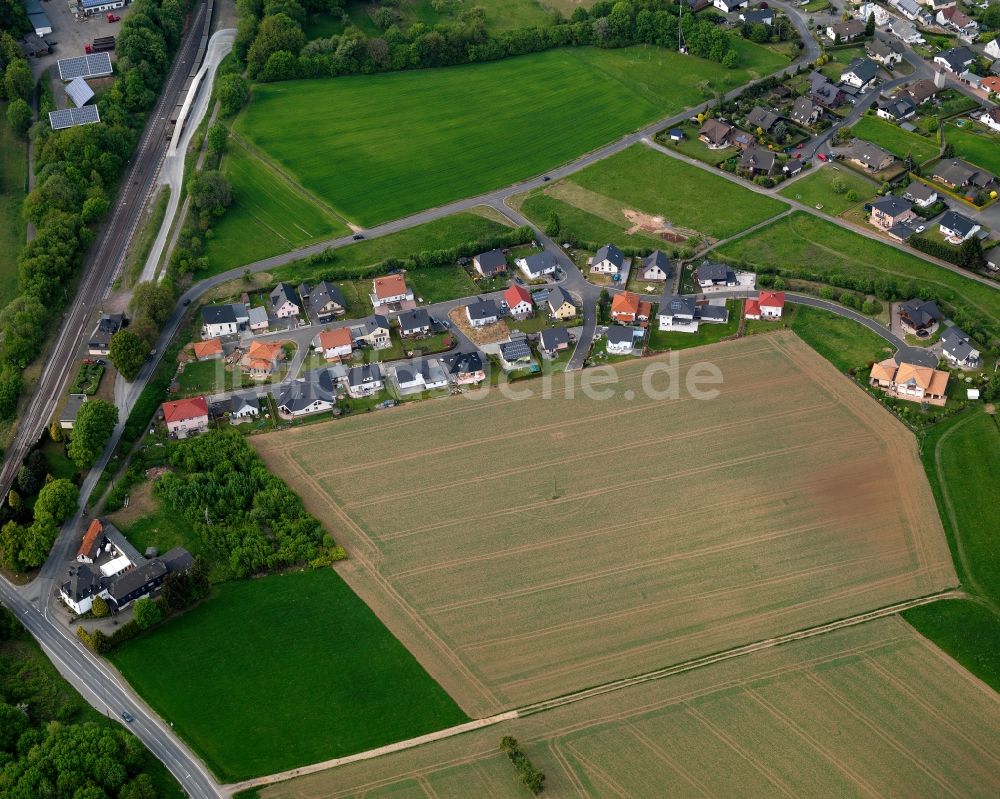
(183, 409)
(625, 303)
(341, 337)
(516, 294)
(207, 349)
(772, 299)
(389, 286)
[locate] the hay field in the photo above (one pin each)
(523, 549)
(873, 710)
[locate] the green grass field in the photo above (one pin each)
(268, 216)
(803, 245)
(402, 142)
(661, 341)
(591, 202)
(975, 145)
(13, 174)
(817, 189)
(281, 671)
(843, 342)
(896, 140)
(962, 459)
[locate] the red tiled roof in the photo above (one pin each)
(772, 299)
(206, 349)
(181, 410)
(752, 308)
(391, 286)
(89, 537)
(341, 337)
(625, 303)
(516, 294)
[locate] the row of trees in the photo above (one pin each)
(76, 170)
(271, 43)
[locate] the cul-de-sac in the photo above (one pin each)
(453, 399)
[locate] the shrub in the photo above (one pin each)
(99, 609)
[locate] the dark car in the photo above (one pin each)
(546, 178)
(187, 301)
(127, 716)
(358, 236)
(101, 362)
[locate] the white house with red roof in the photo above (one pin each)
(335, 344)
(390, 293)
(186, 416)
(518, 301)
(769, 305)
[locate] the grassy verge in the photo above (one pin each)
(660, 341)
(139, 252)
(336, 680)
(13, 180)
(843, 342)
(975, 144)
(817, 189)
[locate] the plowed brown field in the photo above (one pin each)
(523, 549)
(868, 711)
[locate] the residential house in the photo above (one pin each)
(364, 380)
(887, 53)
(991, 118)
(372, 332)
(956, 60)
(107, 326)
(415, 322)
(866, 10)
(655, 266)
(908, 8)
(993, 49)
(315, 392)
(991, 83)
(758, 161)
(918, 316)
(896, 109)
(758, 16)
(423, 374)
(515, 354)
(284, 302)
(323, 302)
(805, 112)
(870, 156)
(334, 344)
(743, 139)
(186, 416)
(465, 367)
(964, 25)
(824, 92)
(762, 118)
(682, 314)
(210, 350)
(956, 227)
(390, 293)
(625, 307)
(954, 173)
(728, 6)
(715, 133)
(922, 90)
(552, 341)
(519, 303)
(792, 167)
(608, 260)
(490, 264)
(861, 73)
(905, 30)
(538, 265)
(67, 418)
(889, 211)
(262, 358)
(243, 408)
(768, 305)
(846, 31)
(223, 320)
(257, 319)
(958, 348)
(560, 304)
(482, 313)
(907, 381)
(920, 194)
(710, 273)
(621, 340)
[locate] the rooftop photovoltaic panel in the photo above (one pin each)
(93, 65)
(68, 117)
(79, 92)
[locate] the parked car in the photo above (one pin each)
(821, 156)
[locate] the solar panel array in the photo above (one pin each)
(68, 117)
(79, 92)
(92, 65)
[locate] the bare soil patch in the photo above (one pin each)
(656, 226)
(490, 334)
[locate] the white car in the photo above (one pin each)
(920, 228)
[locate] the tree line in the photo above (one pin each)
(271, 44)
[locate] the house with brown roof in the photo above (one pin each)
(922, 90)
(208, 350)
(908, 381)
(262, 358)
(715, 133)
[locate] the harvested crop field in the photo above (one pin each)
(525, 548)
(872, 710)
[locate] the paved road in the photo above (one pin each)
(102, 264)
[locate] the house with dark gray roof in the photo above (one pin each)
(958, 348)
(372, 331)
(762, 118)
(889, 211)
(920, 194)
(956, 174)
(709, 273)
(824, 92)
(67, 417)
(482, 312)
(621, 339)
(897, 108)
(655, 266)
(758, 161)
(681, 314)
(608, 260)
(758, 16)
(314, 392)
(538, 264)
(805, 112)
(107, 326)
(957, 59)
(465, 366)
(918, 315)
(284, 301)
(489, 264)
(553, 340)
(323, 302)
(219, 320)
(870, 156)
(515, 354)
(416, 322)
(956, 227)
(861, 73)
(422, 374)
(364, 380)
(243, 407)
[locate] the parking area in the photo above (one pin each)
(70, 34)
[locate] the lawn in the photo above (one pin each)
(974, 144)
(380, 156)
(843, 342)
(966, 630)
(209, 377)
(820, 509)
(693, 147)
(335, 682)
(801, 245)
(643, 179)
(440, 283)
(87, 380)
(358, 259)
(865, 711)
(817, 189)
(13, 176)
(661, 341)
(269, 215)
(893, 138)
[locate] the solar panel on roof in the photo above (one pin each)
(61, 119)
(68, 117)
(92, 65)
(79, 92)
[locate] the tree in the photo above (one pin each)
(55, 432)
(93, 209)
(603, 307)
(218, 134)
(10, 390)
(274, 34)
(59, 499)
(23, 324)
(128, 353)
(146, 613)
(731, 59)
(142, 787)
(26, 481)
(99, 608)
(13, 499)
(11, 540)
(17, 80)
(153, 300)
(210, 192)
(553, 226)
(19, 117)
(233, 92)
(838, 186)
(870, 25)
(970, 254)
(94, 424)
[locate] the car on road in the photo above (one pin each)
(187, 301)
(358, 236)
(546, 178)
(821, 156)
(101, 362)
(129, 718)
